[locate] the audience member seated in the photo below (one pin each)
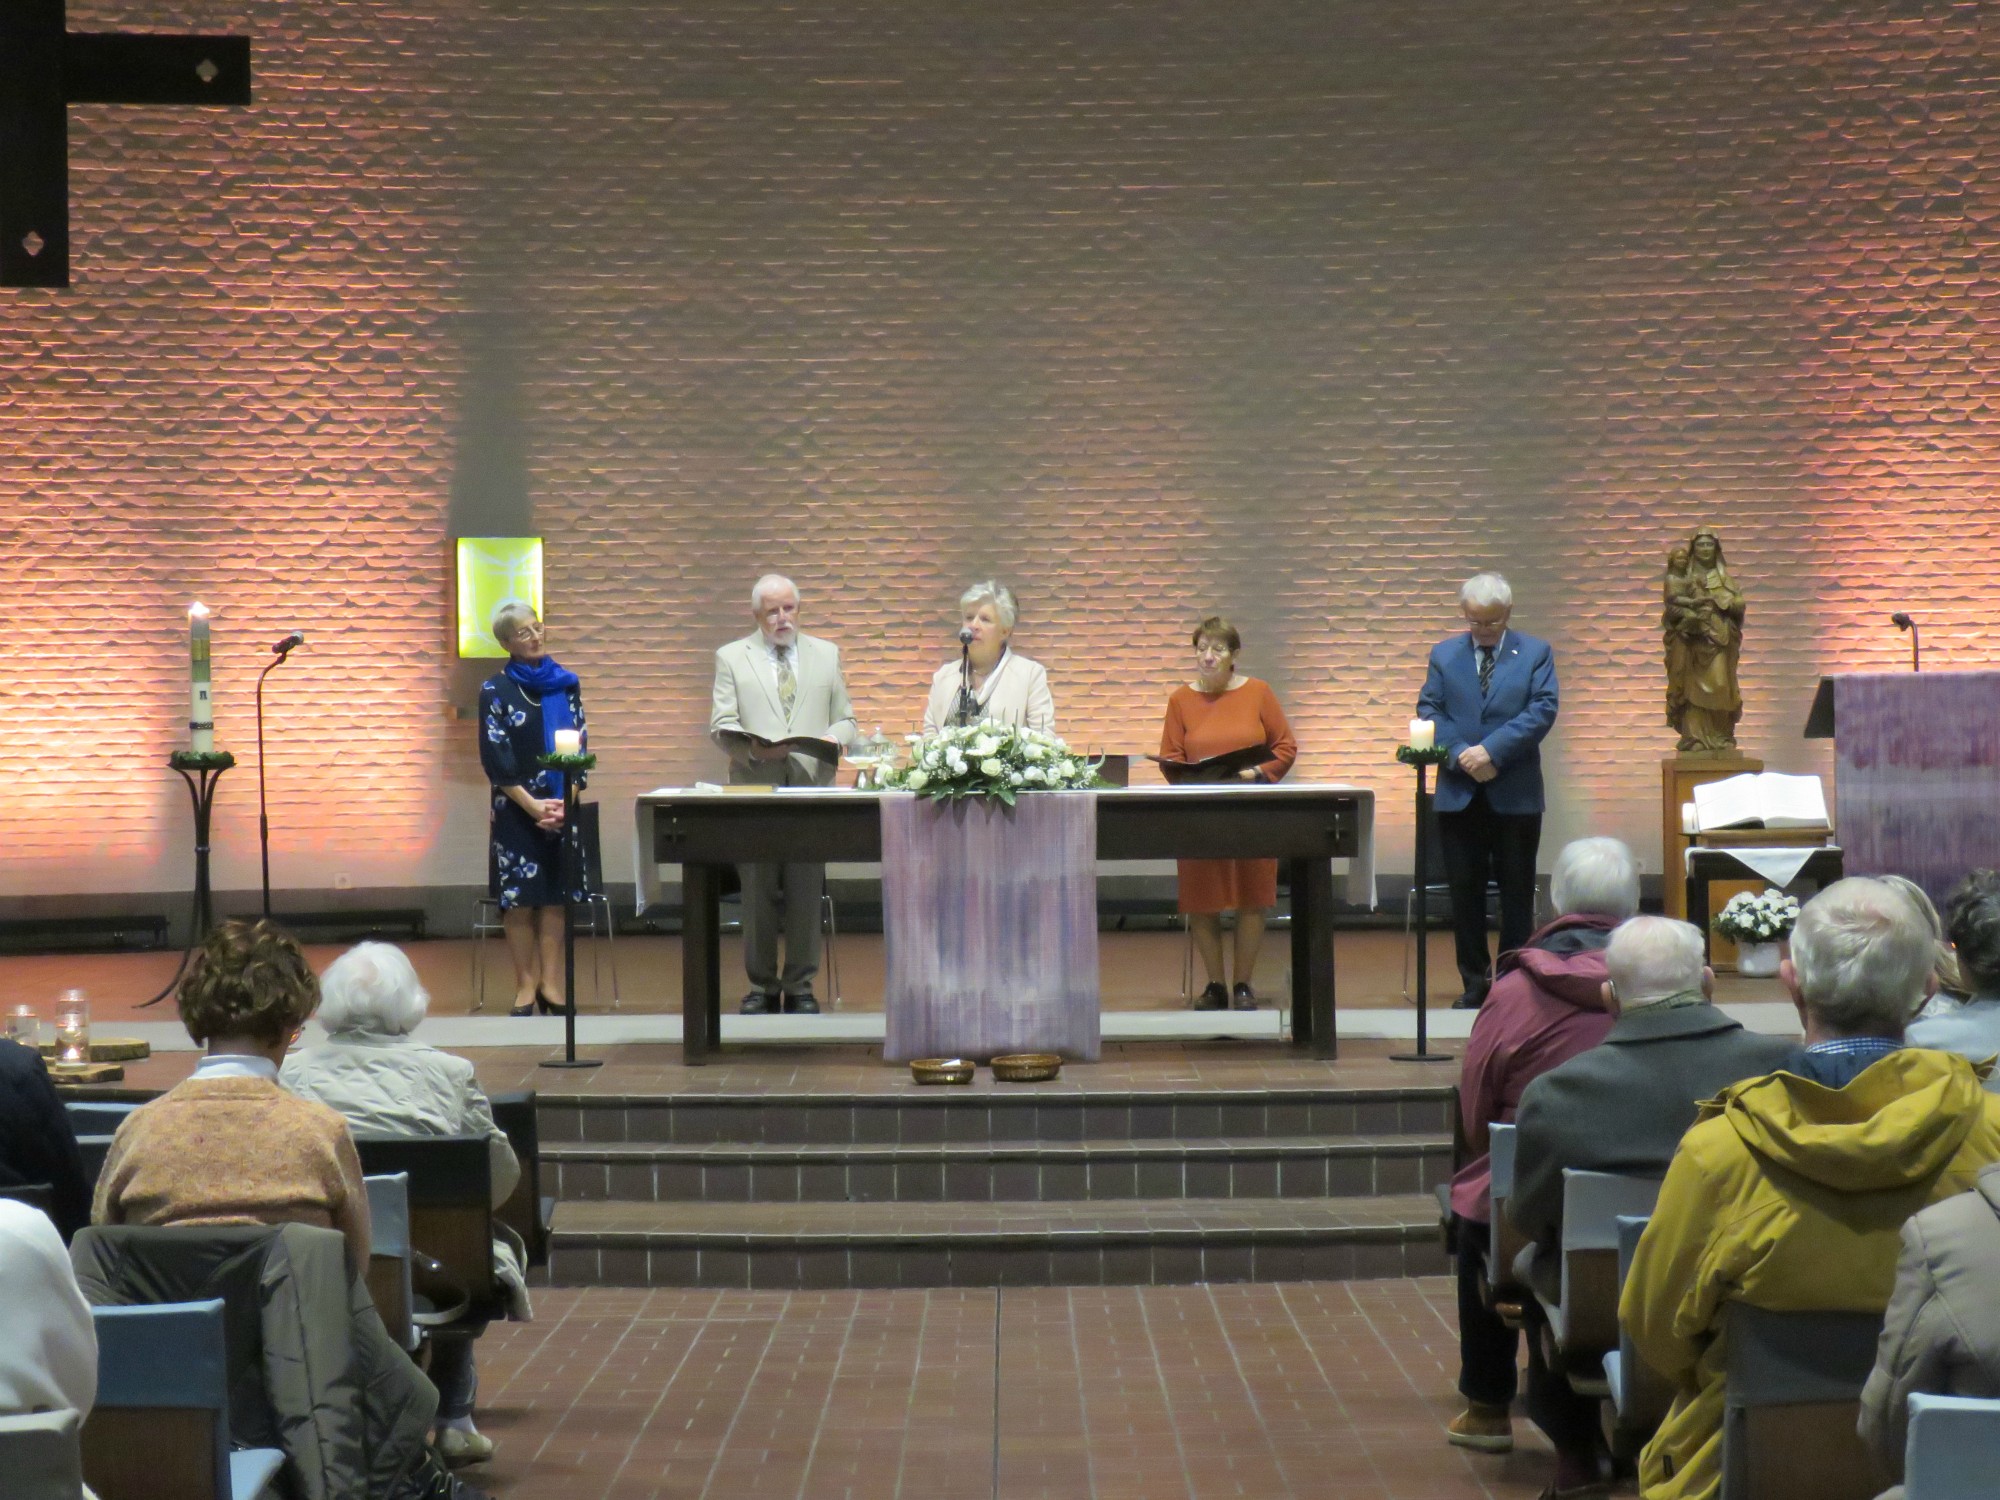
(227, 1145)
(1942, 1333)
(36, 1142)
(1620, 1107)
(1970, 1028)
(1546, 1005)
(48, 1345)
(1790, 1190)
(386, 1082)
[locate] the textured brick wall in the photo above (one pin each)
(1297, 310)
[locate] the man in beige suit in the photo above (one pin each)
(776, 683)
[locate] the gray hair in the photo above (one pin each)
(1945, 965)
(510, 617)
(1861, 954)
(771, 581)
(1597, 876)
(1485, 590)
(372, 988)
(986, 591)
(1650, 958)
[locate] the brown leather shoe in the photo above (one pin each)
(1487, 1429)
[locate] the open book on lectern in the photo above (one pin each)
(1760, 799)
(805, 744)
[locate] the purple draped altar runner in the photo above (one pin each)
(990, 920)
(1917, 790)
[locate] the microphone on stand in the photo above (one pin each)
(966, 710)
(1902, 621)
(281, 653)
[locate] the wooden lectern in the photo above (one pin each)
(1679, 776)
(1917, 771)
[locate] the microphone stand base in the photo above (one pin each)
(572, 1062)
(1414, 1057)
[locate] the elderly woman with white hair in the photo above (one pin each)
(990, 680)
(384, 1081)
(1547, 1005)
(521, 710)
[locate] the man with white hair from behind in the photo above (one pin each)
(1620, 1107)
(1791, 1190)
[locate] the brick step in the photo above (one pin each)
(1005, 1171)
(909, 1115)
(1137, 1241)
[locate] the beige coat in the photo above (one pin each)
(396, 1085)
(745, 697)
(1017, 692)
(1942, 1332)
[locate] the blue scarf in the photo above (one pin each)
(551, 680)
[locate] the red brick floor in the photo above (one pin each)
(1255, 1392)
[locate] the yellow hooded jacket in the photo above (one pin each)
(1789, 1195)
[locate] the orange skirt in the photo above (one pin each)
(1212, 885)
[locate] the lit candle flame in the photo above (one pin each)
(198, 610)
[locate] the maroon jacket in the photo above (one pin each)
(1546, 1005)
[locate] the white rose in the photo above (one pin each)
(985, 745)
(957, 766)
(916, 781)
(991, 767)
(1036, 752)
(1015, 778)
(933, 757)
(1034, 773)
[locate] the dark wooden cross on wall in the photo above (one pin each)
(45, 68)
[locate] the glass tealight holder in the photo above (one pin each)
(22, 1025)
(72, 1027)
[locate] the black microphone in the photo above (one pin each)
(965, 635)
(289, 644)
(1902, 621)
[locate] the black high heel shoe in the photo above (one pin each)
(547, 1007)
(528, 1009)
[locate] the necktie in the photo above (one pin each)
(1485, 669)
(788, 684)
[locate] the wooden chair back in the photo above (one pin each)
(1791, 1402)
(450, 1184)
(389, 1255)
(1586, 1325)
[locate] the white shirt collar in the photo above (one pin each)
(234, 1065)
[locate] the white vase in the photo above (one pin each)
(1759, 960)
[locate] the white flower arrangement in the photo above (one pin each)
(990, 759)
(1766, 917)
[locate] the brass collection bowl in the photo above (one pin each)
(1027, 1067)
(942, 1069)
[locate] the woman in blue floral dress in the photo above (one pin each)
(520, 710)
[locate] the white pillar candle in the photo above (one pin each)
(569, 742)
(1423, 734)
(201, 709)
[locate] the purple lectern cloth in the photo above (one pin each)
(990, 919)
(1917, 784)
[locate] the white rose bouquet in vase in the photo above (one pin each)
(1757, 924)
(989, 759)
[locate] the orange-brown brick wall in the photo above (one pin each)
(1295, 310)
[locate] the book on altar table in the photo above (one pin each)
(1760, 799)
(1216, 767)
(805, 744)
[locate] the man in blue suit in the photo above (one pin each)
(1492, 694)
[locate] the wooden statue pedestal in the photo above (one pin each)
(1679, 776)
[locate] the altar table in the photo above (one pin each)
(1306, 826)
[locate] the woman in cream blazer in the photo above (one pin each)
(1010, 689)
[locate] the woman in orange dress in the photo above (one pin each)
(1219, 712)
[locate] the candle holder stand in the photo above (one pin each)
(572, 877)
(1422, 760)
(201, 770)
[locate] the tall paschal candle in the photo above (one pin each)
(201, 710)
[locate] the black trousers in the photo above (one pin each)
(1481, 845)
(1570, 1420)
(1488, 1350)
